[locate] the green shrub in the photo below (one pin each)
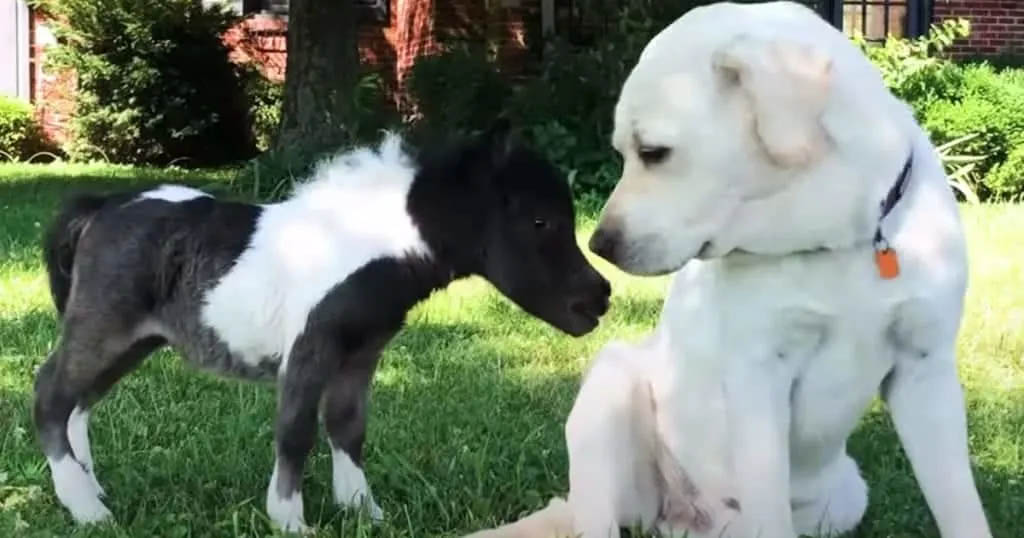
(154, 82)
(916, 70)
(457, 91)
(271, 175)
(21, 136)
(565, 109)
(977, 103)
(1006, 179)
(264, 97)
(568, 107)
(990, 105)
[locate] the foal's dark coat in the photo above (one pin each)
(129, 275)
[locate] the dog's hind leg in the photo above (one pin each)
(613, 480)
(94, 353)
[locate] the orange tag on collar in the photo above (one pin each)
(888, 263)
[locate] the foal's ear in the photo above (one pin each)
(499, 139)
(788, 85)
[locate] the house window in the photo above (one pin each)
(375, 9)
(877, 19)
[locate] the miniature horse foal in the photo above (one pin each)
(307, 291)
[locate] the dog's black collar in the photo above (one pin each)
(892, 198)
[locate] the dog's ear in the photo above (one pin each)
(788, 84)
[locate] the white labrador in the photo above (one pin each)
(760, 147)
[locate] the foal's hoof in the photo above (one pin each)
(369, 506)
(363, 502)
(297, 527)
(90, 511)
(376, 514)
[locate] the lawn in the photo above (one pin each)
(467, 409)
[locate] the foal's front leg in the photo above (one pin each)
(300, 386)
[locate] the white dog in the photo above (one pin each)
(821, 262)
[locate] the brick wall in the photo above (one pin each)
(263, 41)
(997, 26)
(414, 28)
(51, 91)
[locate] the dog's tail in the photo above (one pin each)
(61, 242)
(553, 521)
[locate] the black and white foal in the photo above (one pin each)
(306, 291)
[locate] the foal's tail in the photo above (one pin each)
(61, 241)
(553, 521)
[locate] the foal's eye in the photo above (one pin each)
(653, 154)
(540, 223)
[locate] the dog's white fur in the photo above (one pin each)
(731, 419)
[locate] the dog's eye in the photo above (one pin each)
(653, 154)
(540, 223)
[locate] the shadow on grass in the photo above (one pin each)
(448, 430)
(456, 442)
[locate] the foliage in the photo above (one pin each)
(990, 105)
(568, 107)
(915, 69)
(272, 174)
(975, 106)
(264, 97)
(961, 168)
(565, 109)
(459, 90)
(154, 82)
(1006, 179)
(21, 136)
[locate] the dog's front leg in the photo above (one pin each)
(300, 386)
(757, 400)
(926, 402)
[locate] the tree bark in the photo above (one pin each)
(320, 75)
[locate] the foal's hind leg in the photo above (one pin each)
(89, 360)
(344, 410)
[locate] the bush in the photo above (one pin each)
(565, 109)
(989, 104)
(456, 91)
(154, 81)
(21, 137)
(976, 102)
(915, 69)
(272, 175)
(1006, 179)
(264, 97)
(568, 108)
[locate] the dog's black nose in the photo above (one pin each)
(604, 243)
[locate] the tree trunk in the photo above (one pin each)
(320, 76)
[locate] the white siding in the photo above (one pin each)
(14, 53)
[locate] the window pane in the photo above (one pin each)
(875, 19)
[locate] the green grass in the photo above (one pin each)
(467, 410)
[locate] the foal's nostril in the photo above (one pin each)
(603, 243)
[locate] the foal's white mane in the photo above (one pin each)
(362, 168)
